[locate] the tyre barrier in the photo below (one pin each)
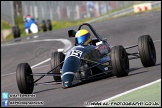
(49, 25)
(44, 27)
(16, 31)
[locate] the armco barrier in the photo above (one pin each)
(154, 4)
(142, 7)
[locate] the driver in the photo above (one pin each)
(83, 37)
(30, 25)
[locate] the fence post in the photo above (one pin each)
(12, 13)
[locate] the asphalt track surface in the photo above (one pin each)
(122, 31)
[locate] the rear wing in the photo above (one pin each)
(72, 33)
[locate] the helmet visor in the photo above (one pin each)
(83, 38)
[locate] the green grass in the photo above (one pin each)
(129, 14)
(5, 25)
(62, 24)
(147, 95)
(55, 26)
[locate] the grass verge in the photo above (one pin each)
(5, 25)
(62, 24)
(55, 25)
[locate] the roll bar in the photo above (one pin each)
(73, 32)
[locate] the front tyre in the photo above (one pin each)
(25, 80)
(49, 25)
(56, 59)
(119, 61)
(44, 27)
(147, 51)
(16, 31)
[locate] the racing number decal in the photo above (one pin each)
(76, 53)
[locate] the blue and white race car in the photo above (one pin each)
(89, 58)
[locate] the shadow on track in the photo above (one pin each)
(44, 90)
(108, 76)
(133, 69)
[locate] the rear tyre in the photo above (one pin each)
(16, 31)
(147, 51)
(25, 81)
(119, 61)
(44, 27)
(49, 25)
(56, 59)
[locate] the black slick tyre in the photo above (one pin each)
(44, 27)
(119, 61)
(147, 51)
(56, 59)
(25, 80)
(16, 31)
(49, 25)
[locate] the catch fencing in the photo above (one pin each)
(61, 10)
(7, 11)
(71, 10)
(64, 10)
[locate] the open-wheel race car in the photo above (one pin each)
(87, 59)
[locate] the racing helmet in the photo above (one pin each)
(28, 17)
(83, 37)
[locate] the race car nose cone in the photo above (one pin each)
(67, 79)
(70, 67)
(67, 84)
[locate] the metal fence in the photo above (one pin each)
(125, 11)
(62, 10)
(7, 11)
(71, 10)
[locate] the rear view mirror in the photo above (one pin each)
(71, 33)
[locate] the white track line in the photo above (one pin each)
(129, 91)
(36, 36)
(42, 66)
(67, 43)
(33, 67)
(156, 40)
(8, 74)
(41, 63)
